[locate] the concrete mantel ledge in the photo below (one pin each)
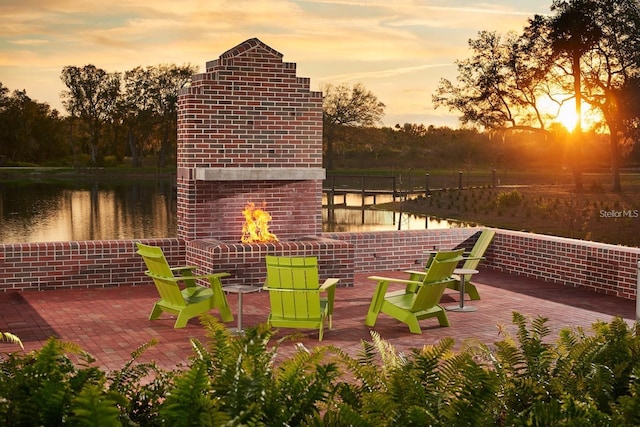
(259, 174)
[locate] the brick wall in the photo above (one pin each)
(399, 250)
(599, 267)
(249, 130)
(85, 264)
(246, 262)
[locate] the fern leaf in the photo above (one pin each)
(8, 336)
(92, 408)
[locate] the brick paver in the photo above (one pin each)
(111, 323)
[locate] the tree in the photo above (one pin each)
(594, 46)
(609, 68)
(91, 97)
(148, 108)
(629, 108)
(584, 51)
(499, 87)
(346, 107)
(136, 110)
(573, 32)
(170, 79)
(496, 89)
(29, 131)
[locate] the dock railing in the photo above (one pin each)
(399, 186)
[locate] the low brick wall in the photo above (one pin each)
(599, 267)
(246, 263)
(400, 250)
(83, 264)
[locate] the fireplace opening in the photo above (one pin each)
(256, 225)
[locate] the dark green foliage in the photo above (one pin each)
(142, 388)
(523, 380)
(38, 388)
(92, 408)
(429, 387)
(249, 389)
(577, 381)
(189, 403)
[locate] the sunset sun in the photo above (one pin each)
(567, 117)
(566, 114)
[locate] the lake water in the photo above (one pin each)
(37, 212)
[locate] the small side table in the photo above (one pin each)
(463, 273)
(240, 290)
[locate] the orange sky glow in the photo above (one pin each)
(398, 49)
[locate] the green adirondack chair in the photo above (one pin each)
(295, 294)
(186, 303)
(410, 306)
(473, 258)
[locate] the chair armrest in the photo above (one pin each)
(182, 278)
(221, 274)
(331, 282)
(205, 276)
(420, 273)
(185, 267)
(394, 280)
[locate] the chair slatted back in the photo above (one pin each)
(435, 279)
(479, 248)
(155, 260)
(159, 270)
(294, 287)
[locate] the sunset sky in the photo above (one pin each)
(399, 49)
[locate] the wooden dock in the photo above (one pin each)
(366, 186)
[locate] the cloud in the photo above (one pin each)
(396, 48)
(30, 42)
(388, 73)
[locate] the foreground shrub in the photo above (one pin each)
(234, 379)
(39, 388)
(523, 380)
(432, 386)
(579, 380)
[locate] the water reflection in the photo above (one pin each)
(373, 220)
(349, 214)
(98, 211)
(38, 212)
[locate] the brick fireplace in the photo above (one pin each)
(250, 131)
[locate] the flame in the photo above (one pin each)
(256, 225)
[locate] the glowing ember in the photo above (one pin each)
(256, 225)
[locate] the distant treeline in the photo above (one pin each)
(429, 148)
(34, 134)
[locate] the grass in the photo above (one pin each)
(594, 214)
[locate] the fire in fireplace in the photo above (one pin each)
(256, 225)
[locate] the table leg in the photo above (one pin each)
(461, 306)
(462, 282)
(239, 312)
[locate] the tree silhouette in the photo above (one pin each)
(573, 33)
(347, 106)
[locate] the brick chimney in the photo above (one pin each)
(249, 130)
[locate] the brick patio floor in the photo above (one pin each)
(111, 323)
